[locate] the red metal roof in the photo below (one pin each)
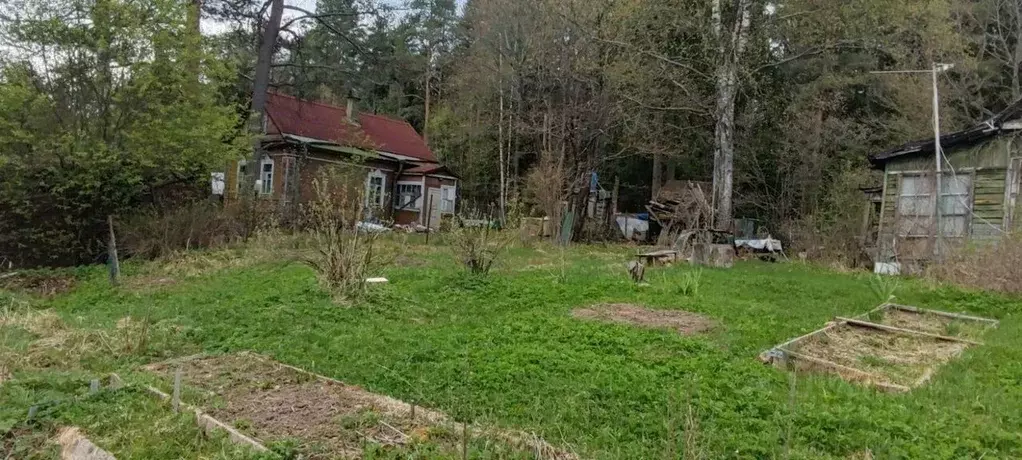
(290, 115)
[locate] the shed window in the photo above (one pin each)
(915, 206)
(916, 203)
(409, 195)
(955, 205)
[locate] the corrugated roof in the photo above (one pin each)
(290, 115)
(395, 136)
(964, 138)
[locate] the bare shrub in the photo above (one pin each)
(991, 265)
(479, 247)
(342, 255)
(201, 224)
(544, 189)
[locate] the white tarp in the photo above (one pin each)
(762, 244)
(630, 226)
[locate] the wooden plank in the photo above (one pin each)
(764, 356)
(912, 309)
(869, 378)
(900, 330)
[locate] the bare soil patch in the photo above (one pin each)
(275, 402)
(685, 323)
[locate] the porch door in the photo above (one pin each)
(434, 208)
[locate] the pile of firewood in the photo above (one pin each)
(683, 210)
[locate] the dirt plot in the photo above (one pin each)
(901, 359)
(684, 322)
(276, 402)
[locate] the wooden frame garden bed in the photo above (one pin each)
(892, 347)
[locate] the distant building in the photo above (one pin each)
(978, 191)
(404, 181)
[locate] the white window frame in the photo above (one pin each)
(266, 186)
(376, 173)
(929, 200)
(447, 204)
(417, 205)
(962, 200)
(239, 175)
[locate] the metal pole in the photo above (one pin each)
(937, 156)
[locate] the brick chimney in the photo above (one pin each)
(352, 109)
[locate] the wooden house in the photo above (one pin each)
(978, 184)
(404, 181)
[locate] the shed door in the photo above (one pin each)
(434, 208)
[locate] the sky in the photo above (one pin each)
(210, 27)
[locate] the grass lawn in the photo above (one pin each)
(505, 349)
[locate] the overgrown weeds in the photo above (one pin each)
(342, 255)
(689, 284)
(883, 287)
(197, 225)
(995, 265)
(479, 247)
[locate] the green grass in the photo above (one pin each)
(128, 423)
(504, 349)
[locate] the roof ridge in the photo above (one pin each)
(309, 101)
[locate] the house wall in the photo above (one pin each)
(988, 167)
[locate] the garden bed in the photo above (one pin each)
(274, 402)
(893, 347)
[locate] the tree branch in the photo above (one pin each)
(322, 22)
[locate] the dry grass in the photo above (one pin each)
(898, 358)
(45, 340)
(995, 265)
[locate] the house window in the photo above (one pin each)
(242, 172)
(955, 199)
(374, 188)
(409, 195)
(266, 177)
(447, 193)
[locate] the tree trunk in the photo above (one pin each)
(429, 76)
(500, 137)
(729, 52)
(260, 85)
(657, 179)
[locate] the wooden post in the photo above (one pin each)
(115, 266)
(175, 400)
(429, 214)
(464, 441)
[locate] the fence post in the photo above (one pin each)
(115, 266)
(175, 400)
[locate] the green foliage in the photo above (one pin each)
(100, 115)
(114, 420)
(689, 284)
(883, 287)
(506, 349)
